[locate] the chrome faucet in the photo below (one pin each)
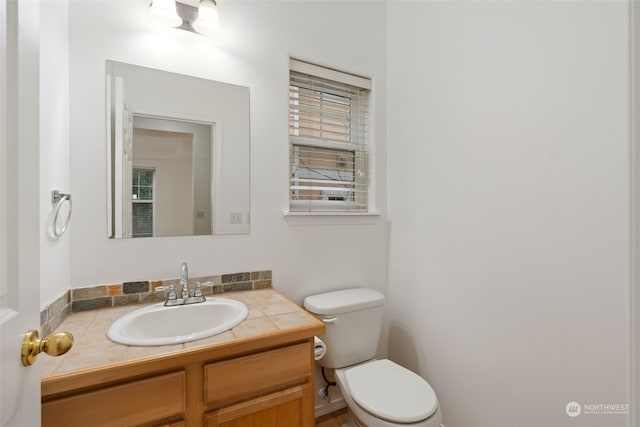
(184, 297)
(184, 274)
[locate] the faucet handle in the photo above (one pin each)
(172, 292)
(198, 291)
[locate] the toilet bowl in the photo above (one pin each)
(378, 393)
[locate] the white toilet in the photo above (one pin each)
(378, 393)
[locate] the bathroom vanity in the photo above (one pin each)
(258, 374)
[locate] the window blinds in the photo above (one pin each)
(328, 121)
(142, 202)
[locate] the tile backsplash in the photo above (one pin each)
(141, 292)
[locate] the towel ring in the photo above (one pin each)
(57, 199)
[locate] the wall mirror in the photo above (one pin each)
(177, 152)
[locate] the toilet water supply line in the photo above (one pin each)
(325, 395)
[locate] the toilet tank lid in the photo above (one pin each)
(343, 301)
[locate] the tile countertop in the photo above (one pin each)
(269, 311)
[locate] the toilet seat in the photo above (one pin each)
(391, 392)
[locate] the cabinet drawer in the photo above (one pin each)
(256, 373)
(132, 403)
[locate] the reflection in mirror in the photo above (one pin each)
(178, 152)
(169, 156)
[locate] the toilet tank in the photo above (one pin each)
(353, 320)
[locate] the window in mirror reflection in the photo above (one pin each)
(142, 202)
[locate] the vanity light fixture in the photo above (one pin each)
(207, 21)
(163, 12)
(185, 15)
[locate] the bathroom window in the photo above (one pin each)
(142, 202)
(328, 121)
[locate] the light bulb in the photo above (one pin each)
(208, 21)
(163, 12)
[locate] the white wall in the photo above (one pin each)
(305, 259)
(509, 255)
(54, 146)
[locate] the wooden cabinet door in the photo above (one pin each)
(292, 407)
(141, 402)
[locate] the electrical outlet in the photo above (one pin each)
(235, 218)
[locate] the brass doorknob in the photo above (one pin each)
(54, 345)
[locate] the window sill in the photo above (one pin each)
(331, 218)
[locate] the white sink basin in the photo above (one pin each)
(160, 325)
